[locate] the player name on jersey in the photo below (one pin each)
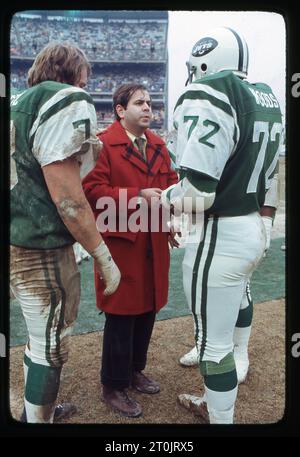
(264, 99)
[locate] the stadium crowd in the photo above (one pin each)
(105, 80)
(112, 40)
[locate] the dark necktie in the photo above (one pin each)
(140, 143)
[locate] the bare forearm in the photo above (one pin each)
(78, 218)
(64, 185)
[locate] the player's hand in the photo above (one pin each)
(173, 243)
(268, 222)
(107, 268)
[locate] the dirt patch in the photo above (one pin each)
(261, 399)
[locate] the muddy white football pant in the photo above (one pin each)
(216, 268)
(46, 283)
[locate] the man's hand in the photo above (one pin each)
(107, 268)
(152, 192)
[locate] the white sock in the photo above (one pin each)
(220, 405)
(39, 413)
(221, 417)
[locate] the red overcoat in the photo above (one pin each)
(142, 257)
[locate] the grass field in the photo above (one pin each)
(268, 283)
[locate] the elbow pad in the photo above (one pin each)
(186, 198)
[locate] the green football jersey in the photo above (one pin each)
(230, 131)
(49, 122)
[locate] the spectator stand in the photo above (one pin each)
(123, 46)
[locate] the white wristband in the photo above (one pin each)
(107, 268)
(268, 222)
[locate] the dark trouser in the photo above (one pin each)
(125, 345)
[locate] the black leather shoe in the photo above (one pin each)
(62, 411)
(120, 402)
(141, 383)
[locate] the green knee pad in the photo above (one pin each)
(220, 376)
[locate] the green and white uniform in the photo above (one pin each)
(229, 131)
(228, 143)
(50, 122)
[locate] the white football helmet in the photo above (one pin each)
(220, 49)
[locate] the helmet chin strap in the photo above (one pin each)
(191, 72)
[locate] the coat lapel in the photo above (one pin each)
(154, 153)
(154, 147)
(155, 158)
(134, 156)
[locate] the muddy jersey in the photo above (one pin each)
(230, 131)
(49, 122)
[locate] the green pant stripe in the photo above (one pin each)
(54, 300)
(196, 268)
(203, 310)
(196, 321)
(52, 305)
(63, 308)
(195, 279)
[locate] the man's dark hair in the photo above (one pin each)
(123, 94)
